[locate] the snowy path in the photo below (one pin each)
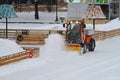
(103, 64)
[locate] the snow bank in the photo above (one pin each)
(8, 47)
(112, 25)
(55, 47)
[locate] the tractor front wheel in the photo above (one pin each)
(84, 48)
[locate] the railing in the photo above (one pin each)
(29, 53)
(102, 35)
(13, 58)
(87, 21)
(34, 39)
(13, 32)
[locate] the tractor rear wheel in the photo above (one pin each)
(92, 45)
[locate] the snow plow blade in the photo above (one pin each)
(73, 47)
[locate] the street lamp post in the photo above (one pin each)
(119, 9)
(56, 11)
(36, 9)
(109, 17)
(7, 11)
(6, 27)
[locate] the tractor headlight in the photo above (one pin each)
(71, 22)
(76, 22)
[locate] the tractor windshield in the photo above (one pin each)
(73, 28)
(73, 33)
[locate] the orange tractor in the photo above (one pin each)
(78, 38)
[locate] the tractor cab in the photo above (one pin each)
(76, 38)
(73, 33)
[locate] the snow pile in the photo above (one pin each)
(8, 47)
(55, 47)
(54, 43)
(112, 25)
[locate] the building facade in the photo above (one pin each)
(25, 1)
(110, 8)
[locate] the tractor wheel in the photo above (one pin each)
(84, 48)
(92, 45)
(20, 38)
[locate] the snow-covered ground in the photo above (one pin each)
(55, 63)
(48, 22)
(8, 47)
(113, 24)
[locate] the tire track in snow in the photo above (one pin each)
(66, 71)
(56, 75)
